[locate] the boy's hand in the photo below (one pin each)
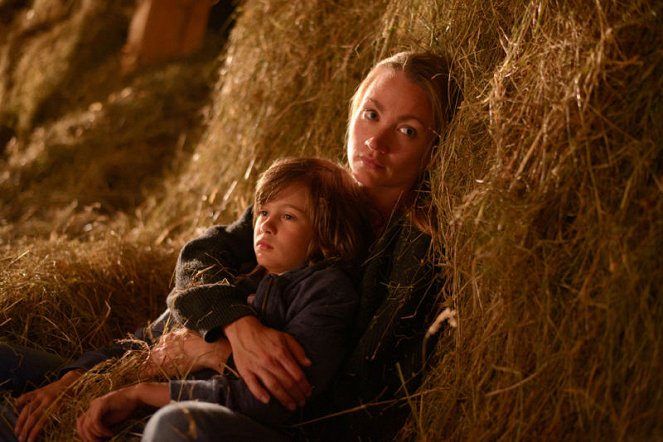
(117, 406)
(103, 412)
(33, 405)
(269, 362)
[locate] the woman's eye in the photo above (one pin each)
(262, 213)
(370, 114)
(409, 131)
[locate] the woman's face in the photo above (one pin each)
(390, 133)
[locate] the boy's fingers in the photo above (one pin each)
(36, 429)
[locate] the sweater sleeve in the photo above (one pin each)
(322, 325)
(204, 266)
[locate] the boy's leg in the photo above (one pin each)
(204, 421)
(23, 368)
(7, 421)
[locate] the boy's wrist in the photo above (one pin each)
(149, 393)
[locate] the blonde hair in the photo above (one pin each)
(341, 228)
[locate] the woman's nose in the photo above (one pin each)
(378, 142)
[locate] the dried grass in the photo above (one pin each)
(67, 296)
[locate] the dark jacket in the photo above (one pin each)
(398, 292)
(317, 306)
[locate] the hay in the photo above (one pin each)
(68, 297)
(556, 273)
(548, 190)
(92, 138)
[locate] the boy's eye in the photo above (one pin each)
(370, 114)
(262, 213)
(288, 217)
(409, 131)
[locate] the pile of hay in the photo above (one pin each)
(548, 189)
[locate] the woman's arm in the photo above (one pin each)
(270, 362)
(393, 338)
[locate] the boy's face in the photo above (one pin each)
(283, 230)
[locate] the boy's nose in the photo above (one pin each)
(267, 226)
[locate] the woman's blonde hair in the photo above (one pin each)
(337, 207)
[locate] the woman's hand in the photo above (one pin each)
(32, 406)
(184, 351)
(116, 407)
(269, 360)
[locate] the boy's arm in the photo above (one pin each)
(223, 252)
(322, 325)
(105, 412)
(34, 406)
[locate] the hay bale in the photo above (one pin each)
(554, 251)
(68, 297)
(48, 46)
(105, 140)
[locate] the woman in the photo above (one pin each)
(397, 116)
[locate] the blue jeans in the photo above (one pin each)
(23, 368)
(205, 421)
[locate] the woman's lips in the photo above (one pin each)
(371, 162)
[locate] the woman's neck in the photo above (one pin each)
(385, 202)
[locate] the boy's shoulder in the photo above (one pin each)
(319, 278)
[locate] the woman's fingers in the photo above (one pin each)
(256, 388)
(285, 395)
(293, 364)
(284, 379)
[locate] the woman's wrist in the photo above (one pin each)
(234, 329)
